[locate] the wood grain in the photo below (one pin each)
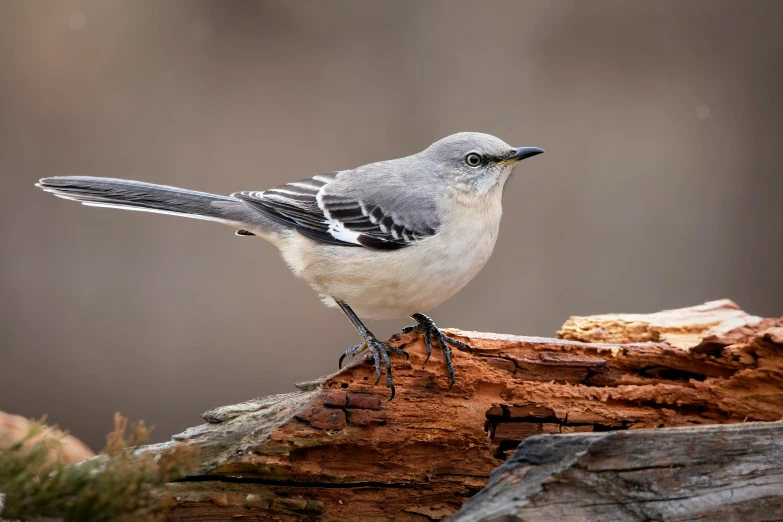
(337, 450)
(716, 473)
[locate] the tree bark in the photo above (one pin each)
(337, 450)
(717, 473)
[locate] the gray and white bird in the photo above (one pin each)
(389, 239)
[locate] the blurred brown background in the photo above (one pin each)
(661, 186)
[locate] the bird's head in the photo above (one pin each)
(474, 162)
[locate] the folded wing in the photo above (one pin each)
(342, 208)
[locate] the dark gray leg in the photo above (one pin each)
(380, 351)
(427, 327)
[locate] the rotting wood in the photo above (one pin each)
(337, 450)
(716, 473)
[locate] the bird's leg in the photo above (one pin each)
(428, 329)
(380, 351)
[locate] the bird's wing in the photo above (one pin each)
(350, 208)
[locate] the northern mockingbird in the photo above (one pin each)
(386, 240)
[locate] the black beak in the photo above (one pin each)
(523, 152)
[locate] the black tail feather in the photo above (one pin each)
(137, 195)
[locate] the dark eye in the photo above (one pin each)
(473, 159)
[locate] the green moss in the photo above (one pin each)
(121, 484)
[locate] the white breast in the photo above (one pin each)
(382, 284)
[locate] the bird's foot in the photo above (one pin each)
(380, 352)
(427, 327)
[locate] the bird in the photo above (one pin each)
(384, 240)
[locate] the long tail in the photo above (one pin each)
(135, 195)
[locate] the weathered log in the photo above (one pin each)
(337, 450)
(717, 473)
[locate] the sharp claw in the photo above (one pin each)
(377, 368)
(442, 341)
(458, 344)
(428, 344)
(377, 356)
(393, 393)
(359, 348)
(380, 353)
(399, 351)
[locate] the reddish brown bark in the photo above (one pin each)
(337, 450)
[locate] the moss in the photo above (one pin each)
(121, 484)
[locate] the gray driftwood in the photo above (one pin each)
(716, 473)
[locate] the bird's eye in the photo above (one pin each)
(473, 159)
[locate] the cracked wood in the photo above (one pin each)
(706, 473)
(337, 450)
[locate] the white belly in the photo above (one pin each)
(381, 284)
